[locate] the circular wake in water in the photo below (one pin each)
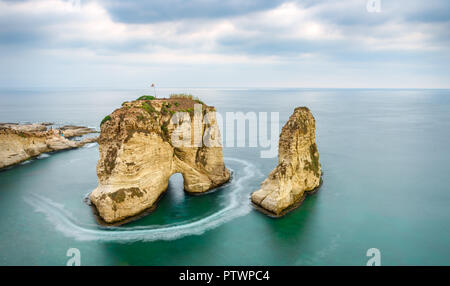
(236, 205)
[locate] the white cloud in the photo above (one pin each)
(289, 34)
(92, 27)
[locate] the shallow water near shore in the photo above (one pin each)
(385, 159)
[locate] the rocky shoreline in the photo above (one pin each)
(22, 142)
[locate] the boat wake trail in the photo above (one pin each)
(237, 204)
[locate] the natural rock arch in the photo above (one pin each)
(137, 156)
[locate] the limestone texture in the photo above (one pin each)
(138, 154)
(298, 171)
(19, 143)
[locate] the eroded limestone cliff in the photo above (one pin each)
(19, 143)
(138, 154)
(298, 171)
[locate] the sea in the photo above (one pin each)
(385, 157)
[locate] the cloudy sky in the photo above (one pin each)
(224, 43)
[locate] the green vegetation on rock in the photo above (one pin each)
(147, 107)
(164, 130)
(186, 96)
(146, 97)
(181, 95)
(107, 118)
(197, 100)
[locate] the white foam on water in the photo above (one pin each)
(237, 204)
(90, 145)
(26, 162)
(42, 156)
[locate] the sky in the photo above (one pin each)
(220, 43)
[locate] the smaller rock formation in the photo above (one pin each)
(298, 172)
(19, 143)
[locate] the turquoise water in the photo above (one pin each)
(384, 153)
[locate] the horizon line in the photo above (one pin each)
(31, 88)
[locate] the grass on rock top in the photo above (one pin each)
(146, 97)
(175, 103)
(107, 118)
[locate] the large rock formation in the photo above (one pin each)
(138, 154)
(19, 143)
(298, 171)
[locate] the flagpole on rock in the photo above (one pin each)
(154, 88)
